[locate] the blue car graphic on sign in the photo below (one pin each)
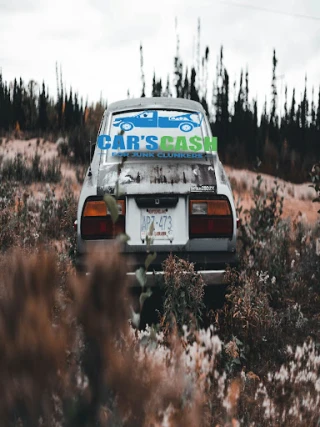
(151, 119)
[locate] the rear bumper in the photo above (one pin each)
(211, 265)
(154, 279)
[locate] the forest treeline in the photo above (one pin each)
(286, 146)
(28, 111)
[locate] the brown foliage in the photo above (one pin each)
(87, 366)
(32, 349)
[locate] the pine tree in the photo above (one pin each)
(293, 125)
(42, 109)
(30, 107)
(156, 86)
(1, 102)
(153, 92)
(318, 113)
(225, 132)
(60, 105)
(263, 131)
(193, 90)
(286, 116)
(304, 142)
(273, 132)
(206, 62)
(69, 111)
(273, 115)
(167, 92)
(293, 108)
(285, 122)
(178, 70)
(143, 94)
(246, 91)
(77, 113)
(313, 110)
(186, 86)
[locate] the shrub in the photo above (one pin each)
(184, 291)
(27, 170)
(33, 366)
(315, 179)
(70, 356)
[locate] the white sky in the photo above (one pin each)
(97, 42)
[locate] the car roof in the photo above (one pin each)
(155, 102)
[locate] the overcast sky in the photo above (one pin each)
(97, 42)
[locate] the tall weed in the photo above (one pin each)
(28, 170)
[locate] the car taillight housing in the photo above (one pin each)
(96, 221)
(210, 218)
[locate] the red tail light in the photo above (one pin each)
(210, 218)
(96, 222)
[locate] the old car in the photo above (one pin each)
(171, 191)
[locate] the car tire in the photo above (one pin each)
(186, 127)
(125, 126)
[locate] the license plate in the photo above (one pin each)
(162, 224)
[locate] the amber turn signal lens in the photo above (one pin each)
(95, 208)
(210, 207)
(99, 208)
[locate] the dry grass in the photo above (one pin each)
(70, 357)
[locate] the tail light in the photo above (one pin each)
(210, 218)
(96, 222)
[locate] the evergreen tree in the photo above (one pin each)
(274, 119)
(143, 94)
(153, 92)
(167, 91)
(69, 111)
(43, 113)
(2, 103)
(156, 86)
(30, 107)
(193, 90)
(186, 86)
(273, 115)
(304, 142)
(286, 116)
(318, 112)
(246, 97)
(293, 124)
(17, 107)
(313, 110)
(263, 131)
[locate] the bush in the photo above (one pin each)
(70, 357)
(25, 221)
(315, 179)
(184, 291)
(30, 170)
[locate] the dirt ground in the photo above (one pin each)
(297, 197)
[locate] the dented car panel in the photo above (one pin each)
(160, 190)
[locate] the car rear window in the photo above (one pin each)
(151, 133)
